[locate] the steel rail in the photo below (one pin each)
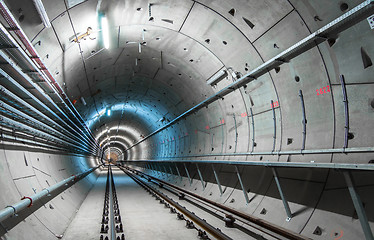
(111, 210)
(260, 222)
(331, 30)
(201, 222)
(26, 203)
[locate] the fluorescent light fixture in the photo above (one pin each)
(42, 13)
(108, 112)
(83, 101)
(105, 28)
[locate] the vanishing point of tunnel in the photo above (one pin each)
(186, 119)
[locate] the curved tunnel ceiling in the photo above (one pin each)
(314, 109)
(162, 54)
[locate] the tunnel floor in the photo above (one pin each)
(142, 216)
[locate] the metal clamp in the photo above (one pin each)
(14, 210)
(29, 199)
(49, 193)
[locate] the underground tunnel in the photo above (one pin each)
(189, 119)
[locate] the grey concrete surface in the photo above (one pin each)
(162, 54)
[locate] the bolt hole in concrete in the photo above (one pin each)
(366, 60)
(224, 42)
(351, 136)
(331, 41)
(263, 211)
(232, 12)
(207, 41)
(344, 7)
(297, 78)
(139, 9)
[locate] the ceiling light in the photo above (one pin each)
(108, 112)
(42, 13)
(105, 28)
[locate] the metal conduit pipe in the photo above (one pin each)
(89, 138)
(15, 83)
(9, 94)
(11, 210)
(14, 124)
(29, 80)
(37, 124)
(346, 166)
(290, 152)
(335, 27)
(18, 138)
(5, 12)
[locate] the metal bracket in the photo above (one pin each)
(179, 174)
(201, 176)
(188, 174)
(304, 119)
(358, 205)
(253, 130)
(275, 125)
(242, 185)
(346, 112)
(217, 180)
(284, 200)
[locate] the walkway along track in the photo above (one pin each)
(259, 224)
(215, 232)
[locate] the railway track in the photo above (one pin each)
(111, 223)
(254, 227)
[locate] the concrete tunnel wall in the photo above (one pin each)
(319, 198)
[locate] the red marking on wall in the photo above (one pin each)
(74, 101)
(195, 131)
(186, 133)
(243, 114)
(222, 121)
(173, 138)
(335, 236)
(207, 127)
(274, 105)
(323, 90)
